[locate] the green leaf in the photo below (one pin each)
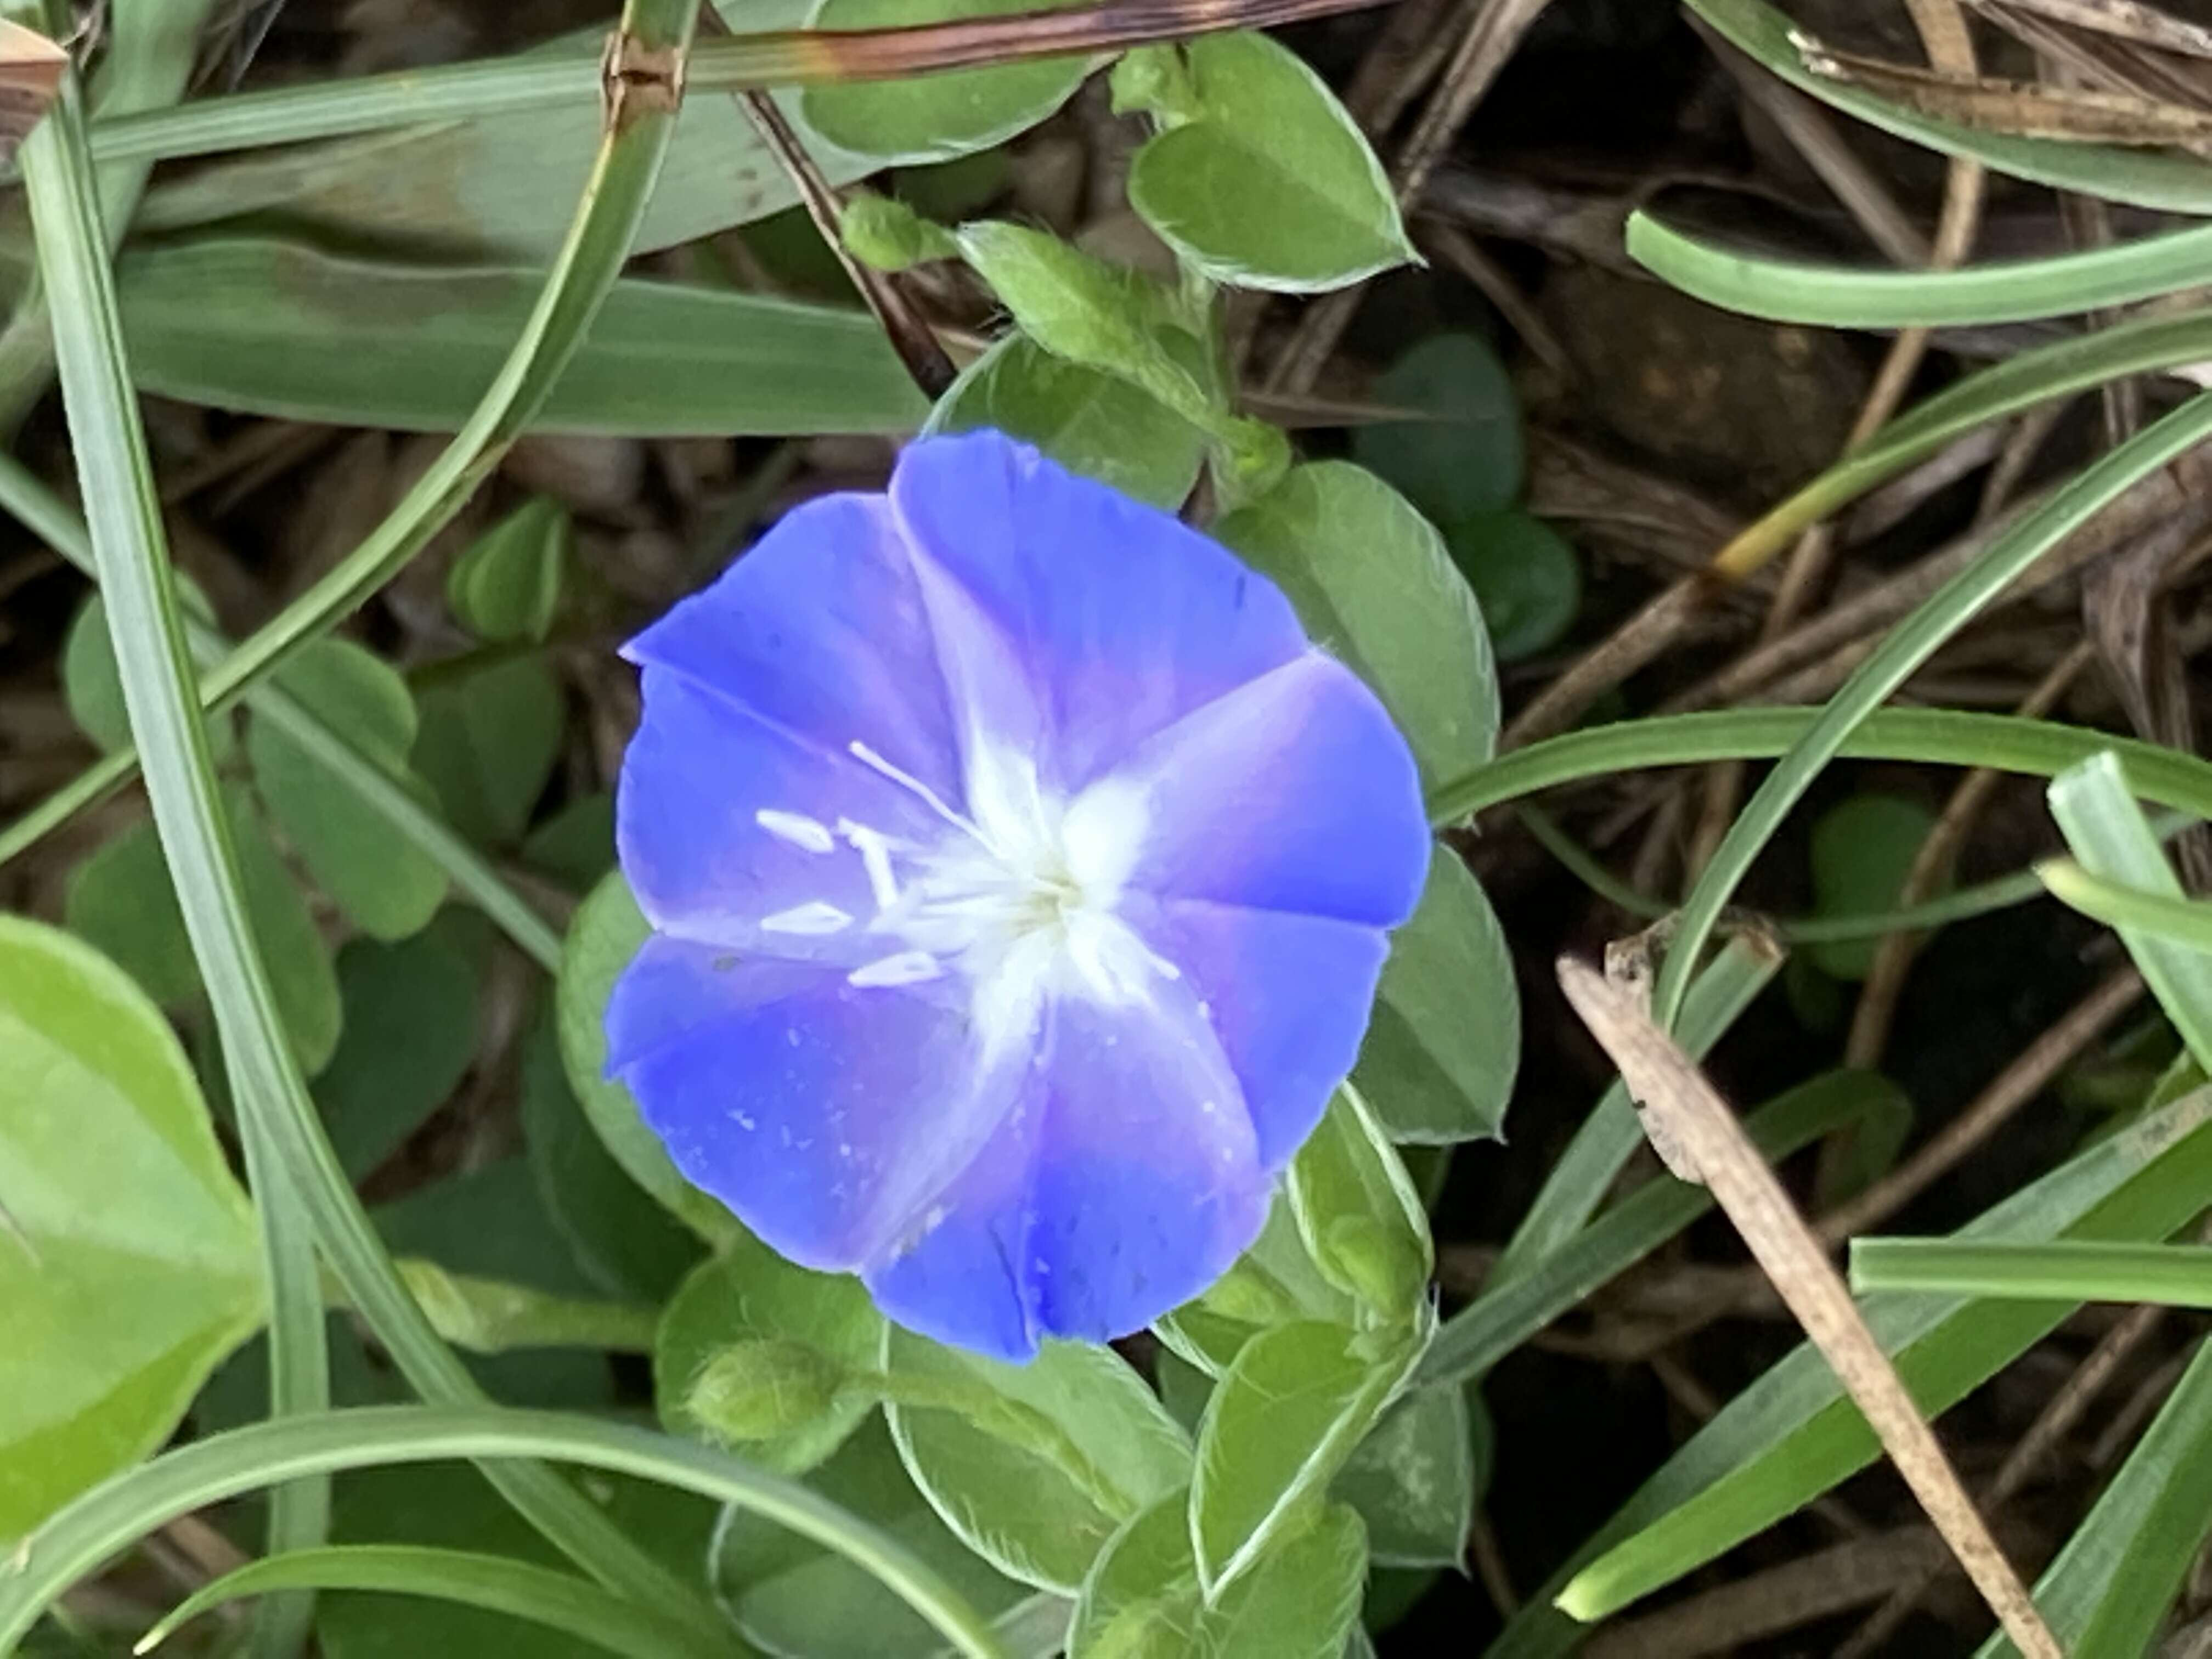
(2109, 1591)
(120, 900)
(576, 846)
(886, 233)
(485, 184)
(1155, 80)
(791, 1597)
(489, 737)
(490, 1223)
(507, 586)
(2096, 810)
(387, 884)
(1862, 849)
(94, 691)
(1269, 184)
(1089, 421)
(606, 934)
(1442, 1052)
(1025, 1513)
(1468, 454)
(1413, 1481)
(279, 329)
(1281, 1424)
(1301, 1599)
(129, 1263)
(933, 118)
(749, 1294)
(1526, 576)
(410, 1036)
(1791, 1436)
(1372, 583)
(1118, 321)
(1273, 1282)
(1361, 1219)
(625, 1243)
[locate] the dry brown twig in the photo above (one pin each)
(1701, 1141)
(2052, 1424)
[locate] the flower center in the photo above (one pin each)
(1019, 896)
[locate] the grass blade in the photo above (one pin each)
(2142, 346)
(113, 1515)
(2183, 921)
(2109, 835)
(1892, 662)
(277, 328)
(2173, 1275)
(1838, 296)
(2108, 1592)
(1512, 1310)
(1698, 1133)
(743, 63)
(1791, 1437)
(1940, 736)
(126, 537)
(131, 548)
(496, 1584)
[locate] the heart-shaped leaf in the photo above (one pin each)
(129, 1258)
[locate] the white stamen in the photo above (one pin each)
(874, 848)
(869, 758)
(807, 835)
(814, 918)
(907, 968)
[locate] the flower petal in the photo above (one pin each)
(1125, 619)
(725, 822)
(965, 1278)
(1292, 792)
(821, 629)
(824, 1113)
(1148, 1179)
(1125, 1180)
(1289, 997)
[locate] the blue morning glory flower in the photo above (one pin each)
(1020, 874)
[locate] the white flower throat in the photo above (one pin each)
(1019, 896)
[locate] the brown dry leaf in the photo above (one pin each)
(31, 69)
(2123, 20)
(2022, 108)
(2107, 61)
